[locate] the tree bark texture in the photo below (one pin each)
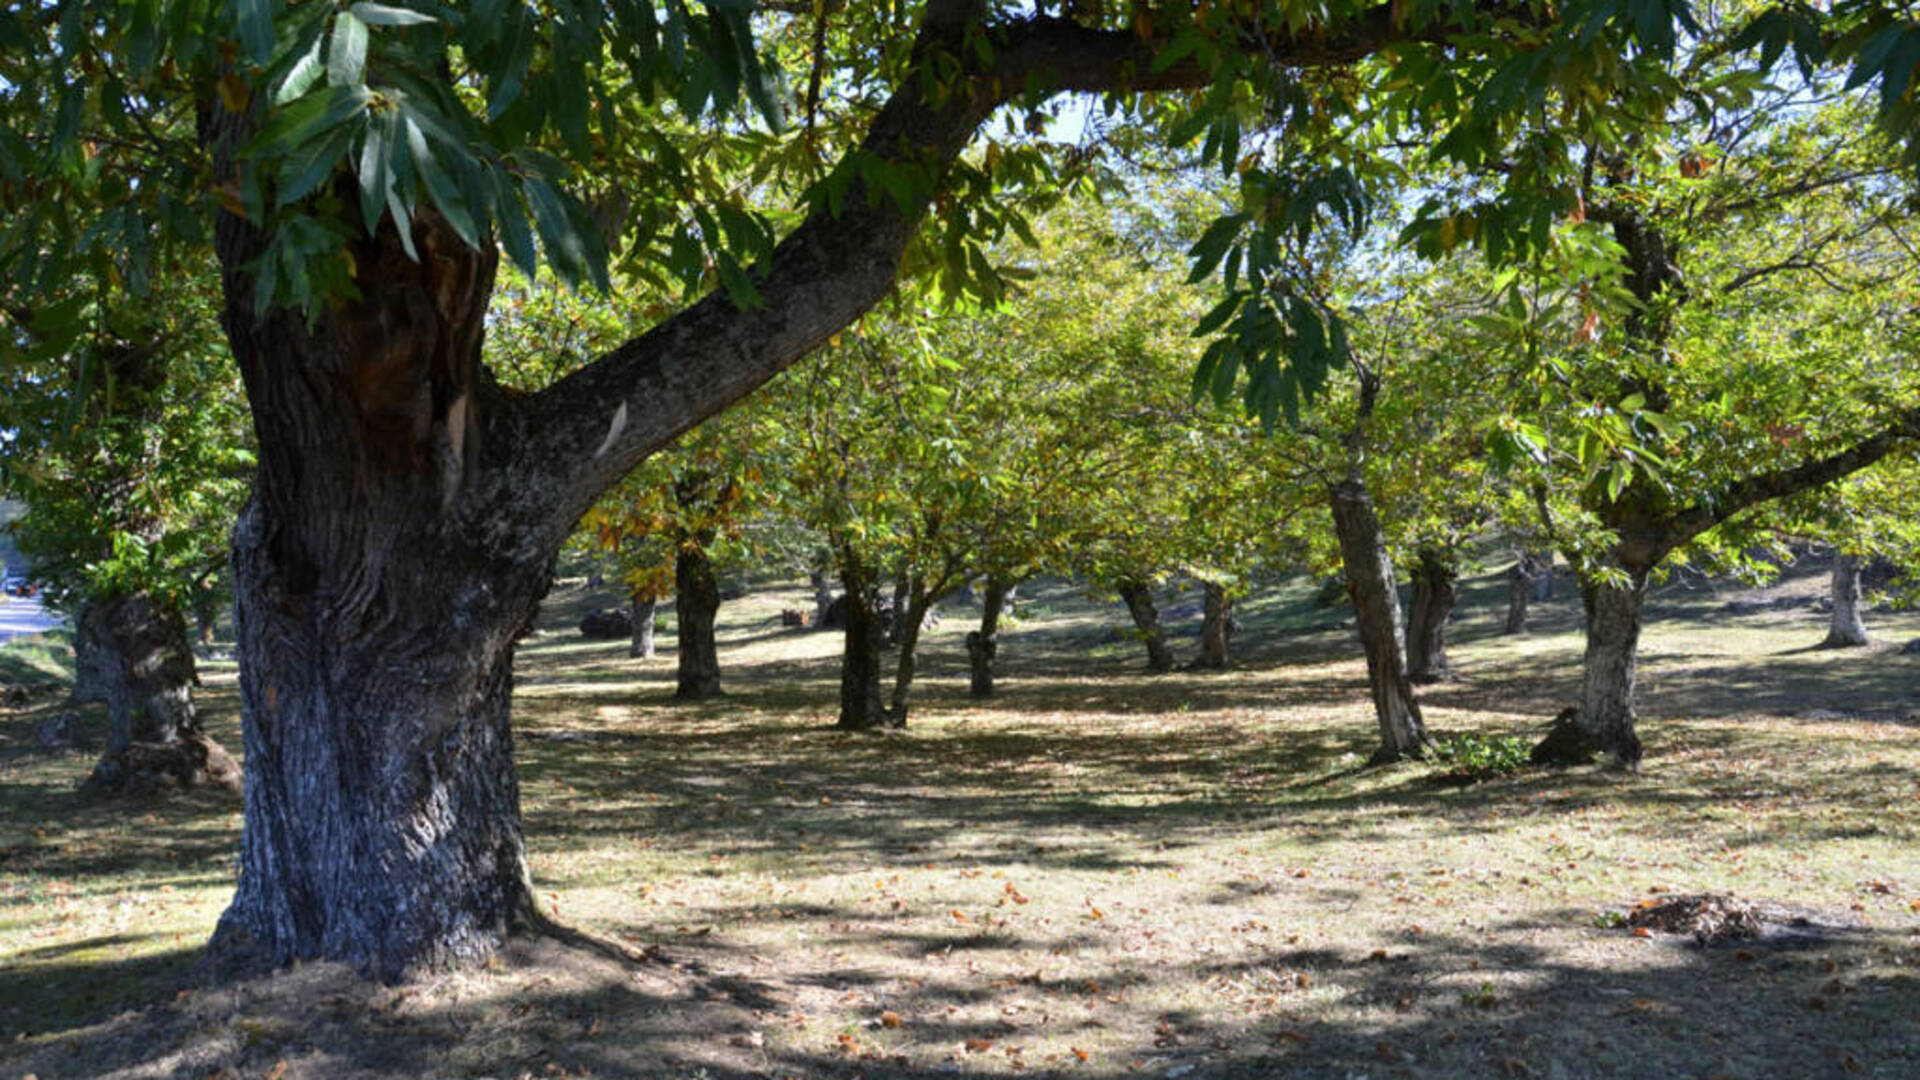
(1608, 671)
(1376, 605)
(1435, 593)
(1847, 628)
(862, 707)
(696, 606)
(644, 609)
(143, 659)
(1146, 621)
(983, 645)
(1216, 627)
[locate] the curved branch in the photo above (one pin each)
(580, 435)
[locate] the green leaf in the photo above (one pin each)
(1207, 252)
(305, 72)
(254, 19)
(347, 51)
(387, 15)
(441, 188)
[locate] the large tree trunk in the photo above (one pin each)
(1434, 596)
(144, 660)
(983, 645)
(1607, 676)
(862, 707)
(643, 610)
(1376, 604)
(1522, 579)
(1847, 628)
(696, 603)
(1216, 626)
(1146, 620)
(388, 558)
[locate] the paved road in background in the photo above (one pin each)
(23, 615)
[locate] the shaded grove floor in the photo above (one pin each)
(1102, 874)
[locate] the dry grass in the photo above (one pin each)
(1101, 874)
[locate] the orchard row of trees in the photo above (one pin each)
(1613, 273)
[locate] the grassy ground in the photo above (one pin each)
(1100, 874)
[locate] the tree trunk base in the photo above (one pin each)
(887, 722)
(1566, 743)
(1844, 641)
(1387, 755)
(145, 769)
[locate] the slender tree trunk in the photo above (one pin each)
(1847, 628)
(983, 645)
(1434, 594)
(911, 607)
(143, 657)
(1146, 620)
(1606, 714)
(897, 605)
(1216, 626)
(696, 602)
(1543, 576)
(1521, 580)
(862, 707)
(643, 610)
(1376, 605)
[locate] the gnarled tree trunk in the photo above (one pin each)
(643, 610)
(144, 662)
(1146, 621)
(983, 645)
(1216, 627)
(1846, 628)
(382, 570)
(1376, 604)
(1434, 596)
(695, 606)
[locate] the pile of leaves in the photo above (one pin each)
(1710, 917)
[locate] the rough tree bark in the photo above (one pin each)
(862, 707)
(983, 645)
(1434, 594)
(406, 512)
(1146, 620)
(1216, 627)
(644, 608)
(1376, 605)
(696, 603)
(1847, 628)
(144, 661)
(1608, 673)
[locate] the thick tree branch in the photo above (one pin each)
(1780, 483)
(579, 436)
